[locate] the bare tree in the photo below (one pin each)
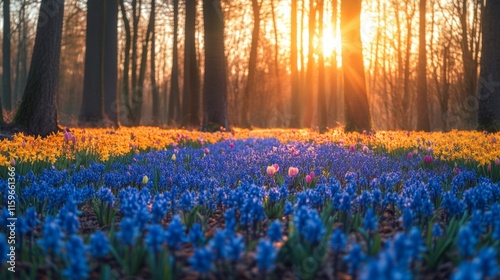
(423, 122)
(295, 115)
(154, 87)
(38, 111)
(322, 106)
(191, 87)
(6, 82)
(214, 85)
(174, 102)
(489, 89)
(357, 111)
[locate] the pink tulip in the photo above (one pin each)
(488, 168)
(207, 151)
(308, 179)
(270, 170)
(352, 149)
(231, 145)
(497, 161)
(409, 156)
(493, 140)
(276, 167)
(428, 159)
(457, 170)
(365, 149)
(293, 171)
(13, 163)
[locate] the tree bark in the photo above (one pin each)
(357, 111)
(126, 62)
(191, 89)
(174, 102)
(322, 109)
(295, 114)
(489, 79)
(252, 64)
(333, 104)
(154, 87)
(92, 110)
(214, 86)
(423, 123)
(310, 95)
(110, 61)
(38, 111)
(6, 75)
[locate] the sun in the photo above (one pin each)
(330, 42)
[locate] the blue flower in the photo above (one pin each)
(75, 250)
(466, 242)
(265, 255)
(370, 222)
(106, 196)
(407, 218)
(155, 238)
(99, 245)
(274, 232)
(230, 219)
(338, 241)
(235, 248)
(196, 235)
(288, 209)
(4, 249)
(141, 218)
(160, 208)
(354, 258)
(31, 219)
(467, 271)
(69, 221)
(487, 262)
(52, 237)
(313, 229)
(201, 261)
(416, 243)
(176, 234)
(437, 231)
(218, 244)
(128, 231)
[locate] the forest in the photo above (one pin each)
(281, 64)
(250, 139)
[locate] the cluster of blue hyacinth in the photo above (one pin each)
(351, 188)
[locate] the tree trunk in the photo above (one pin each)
(126, 63)
(38, 111)
(322, 113)
(333, 104)
(6, 82)
(357, 111)
(214, 86)
(110, 61)
(295, 114)
(154, 87)
(309, 83)
(489, 85)
(191, 97)
(92, 110)
(279, 106)
(174, 104)
(252, 64)
(423, 123)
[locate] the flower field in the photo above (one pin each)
(146, 203)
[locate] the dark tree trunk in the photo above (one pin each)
(154, 86)
(7, 90)
(295, 114)
(110, 61)
(311, 63)
(357, 111)
(126, 62)
(174, 104)
(191, 97)
(214, 86)
(322, 110)
(423, 122)
(92, 110)
(38, 111)
(334, 100)
(489, 80)
(252, 64)
(280, 106)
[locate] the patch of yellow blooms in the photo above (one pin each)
(104, 143)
